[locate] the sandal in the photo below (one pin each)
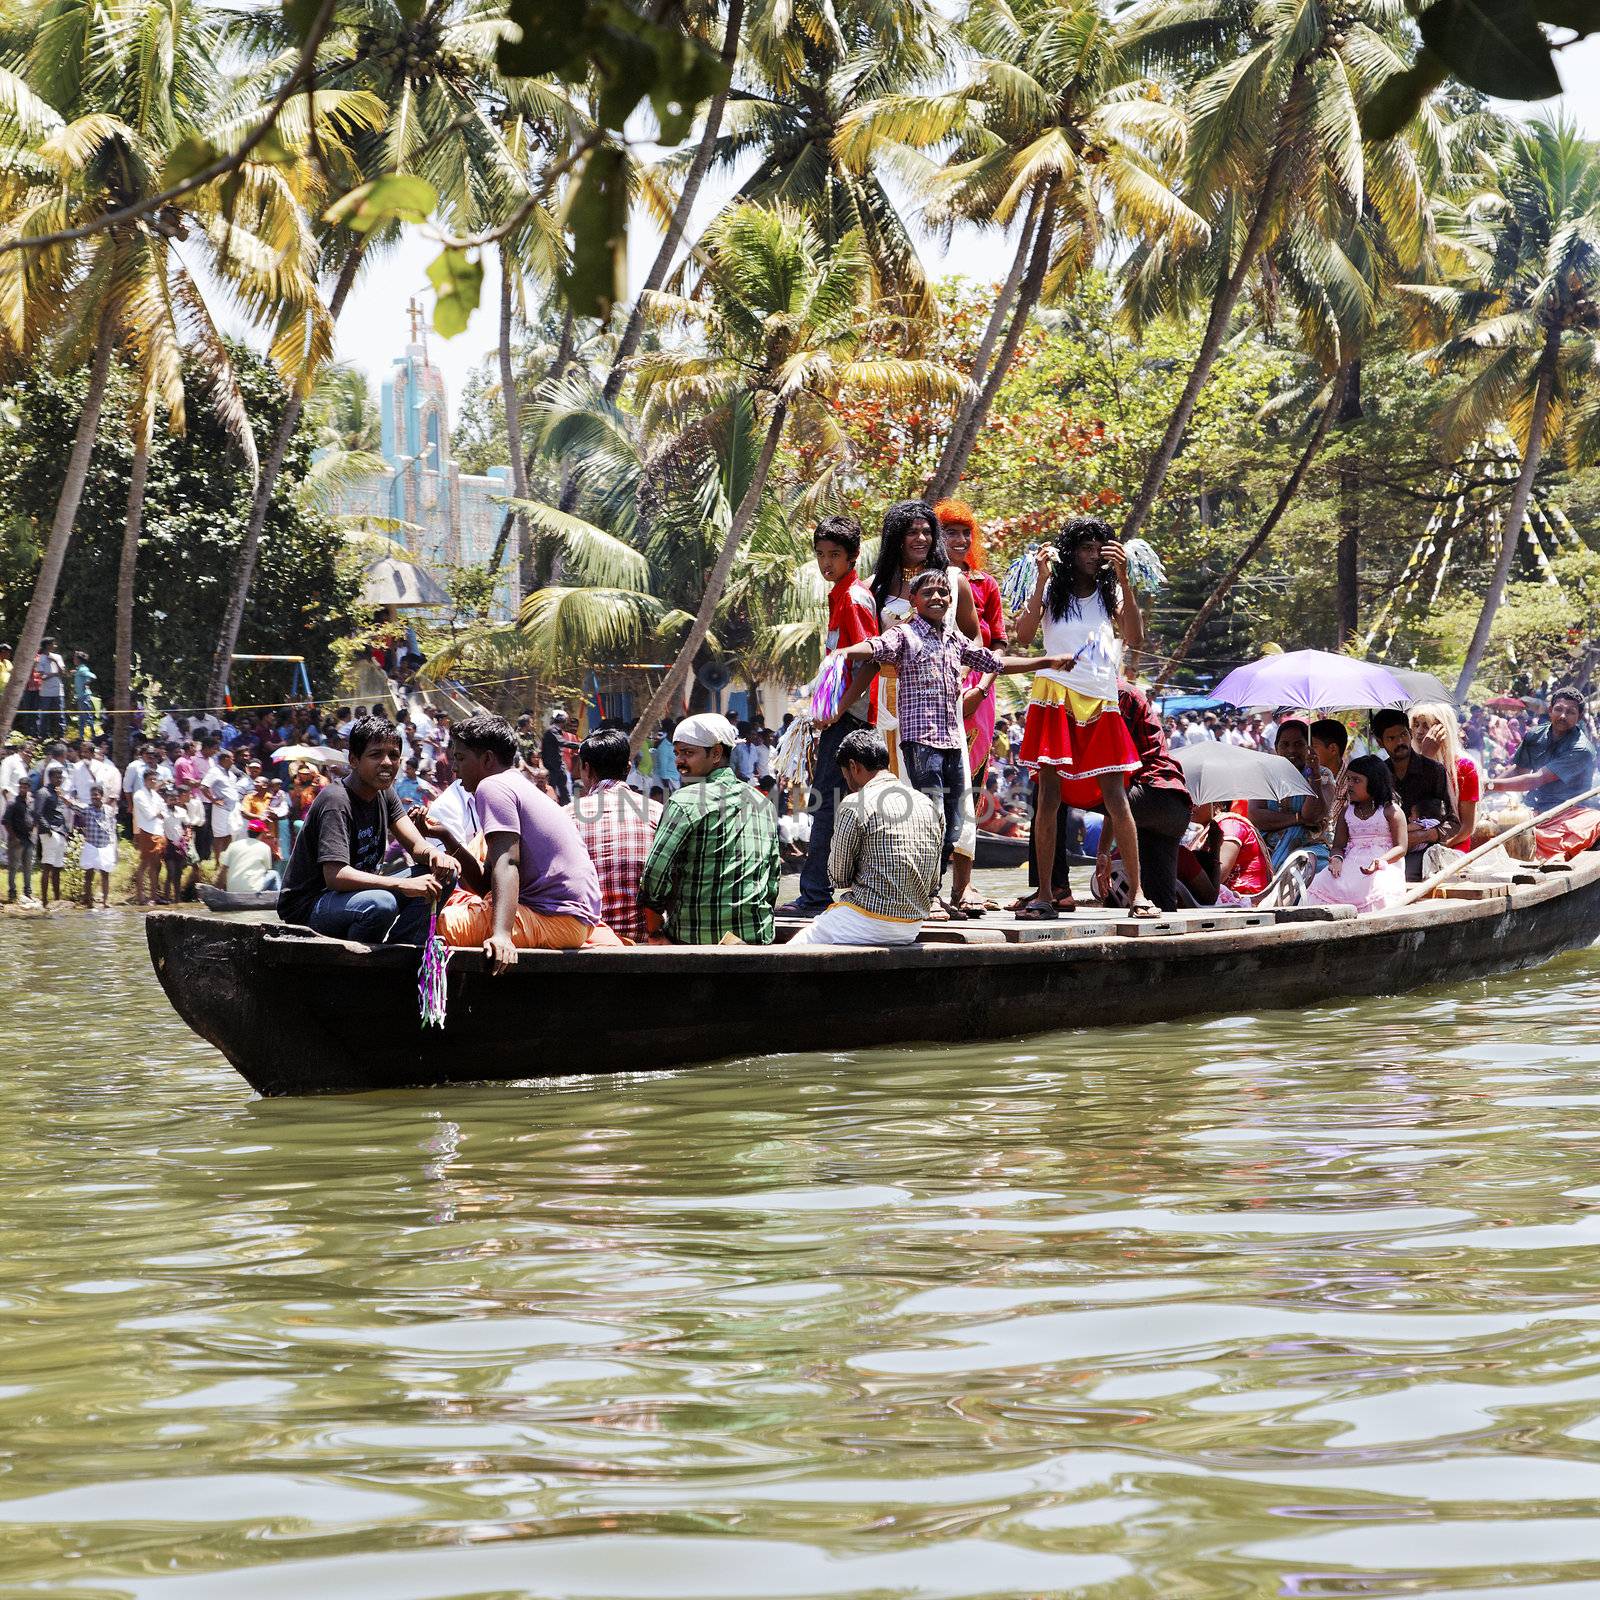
(1038, 911)
(1143, 910)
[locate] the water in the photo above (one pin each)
(1293, 1305)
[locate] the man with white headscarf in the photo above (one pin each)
(712, 873)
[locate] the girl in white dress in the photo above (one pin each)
(1367, 867)
(1075, 742)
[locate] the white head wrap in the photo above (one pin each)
(705, 730)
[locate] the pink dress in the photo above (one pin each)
(1369, 839)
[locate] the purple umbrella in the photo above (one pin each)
(1311, 680)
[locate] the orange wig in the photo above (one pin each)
(958, 514)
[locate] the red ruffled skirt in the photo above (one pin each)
(1079, 738)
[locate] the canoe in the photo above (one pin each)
(215, 899)
(297, 1013)
(1004, 850)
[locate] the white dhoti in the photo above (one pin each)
(842, 924)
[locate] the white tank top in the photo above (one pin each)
(1090, 634)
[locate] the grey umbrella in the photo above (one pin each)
(1420, 686)
(1225, 772)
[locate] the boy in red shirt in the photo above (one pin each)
(852, 617)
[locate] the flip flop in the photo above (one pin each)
(1037, 911)
(1145, 912)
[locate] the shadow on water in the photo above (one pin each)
(1297, 1304)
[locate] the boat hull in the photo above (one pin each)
(215, 899)
(300, 1014)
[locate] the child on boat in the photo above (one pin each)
(1369, 844)
(1075, 741)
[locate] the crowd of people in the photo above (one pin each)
(510, 835)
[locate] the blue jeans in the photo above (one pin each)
(372, 916)
(816, 892)
(938, 774)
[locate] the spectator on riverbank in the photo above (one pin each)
(97, 821)
(21, 829)
(51, 813)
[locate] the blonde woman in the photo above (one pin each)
(1436, 732)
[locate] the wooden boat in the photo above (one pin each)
(1005, 850)
(300, 1014)
(215, 899)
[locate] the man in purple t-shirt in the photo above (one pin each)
(537, 889)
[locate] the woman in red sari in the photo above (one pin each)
(963, 542)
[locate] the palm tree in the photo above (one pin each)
(433, 69)
(105, 102)
(1526, 328)
(1054, 127)
(683, 207)
(806, 67)
(781, 332)
(1275, 142)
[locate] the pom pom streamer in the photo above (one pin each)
(796, 755)
(432, 992)
(1144, 566)
(1017, 584)
(828, 688)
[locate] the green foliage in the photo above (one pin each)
(195, 510)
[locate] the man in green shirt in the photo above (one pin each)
(712, 871)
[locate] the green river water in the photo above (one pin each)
(1289, 1305)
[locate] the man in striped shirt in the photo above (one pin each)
(712, 873)
(617, 825)
(884, 862)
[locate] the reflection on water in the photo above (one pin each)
(1281, 1306)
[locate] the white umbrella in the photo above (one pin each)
(1227, 772)
(317, 754)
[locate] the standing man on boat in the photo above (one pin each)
(333, 884)
(1554, 763)
(712, 873)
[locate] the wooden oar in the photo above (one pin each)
(1418, 891)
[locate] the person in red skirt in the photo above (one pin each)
(1075, 742)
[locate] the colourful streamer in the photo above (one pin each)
(794, 759)
(1144, 566)
(1017, 585)
(432, 991)
(828, 688)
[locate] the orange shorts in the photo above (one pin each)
(465, 921)
(152, 846)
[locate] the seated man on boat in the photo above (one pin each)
(1421, 786)
(712, 873)
(536, 888)
(247, 862)
(333, 884)
(617, 825)
(883, 863)
(1553, 764)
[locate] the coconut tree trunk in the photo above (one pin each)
(1544, 385)
(1348, 564)
(669, 687)
(61, 525)
(1027, 298)
(1286, 495)
(944, 479)
(1222, 304)
(244, 571)
(127, 569)
(513, 404)
(659, 268)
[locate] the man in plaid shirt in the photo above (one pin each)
(617, 825)
(932, 656)
(713, 868)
